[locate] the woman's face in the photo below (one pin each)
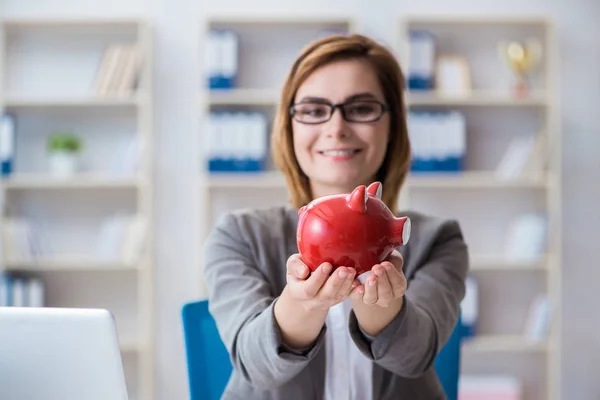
(337, 155)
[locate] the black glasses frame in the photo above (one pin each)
(384, 109)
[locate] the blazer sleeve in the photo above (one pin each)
(409, 344)
(241, 302)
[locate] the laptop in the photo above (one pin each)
(60, 354)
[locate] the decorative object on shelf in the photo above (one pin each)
(487, 386)
(438, 141)
(19, 291)
(453, 76)
(421, 69)
(63, 154)
(237, 141)
(119, 70)
(221, 53)
(522, 58)
(470, 308)
(7, 144)
(526, 237)
(539, 318)
(354, 230)
(524, 157)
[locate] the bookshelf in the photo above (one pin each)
(88, 235)
(484, 198)
(495, 117)
(270, 40)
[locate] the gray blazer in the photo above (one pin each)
(245, 270)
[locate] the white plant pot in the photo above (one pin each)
(63, 164)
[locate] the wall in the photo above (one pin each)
(178, 104)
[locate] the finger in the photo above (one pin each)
(370, 296)
(334, 283)
(300, 271)
(315, 282)
(396, 259)
(357, 291)
(293, 263)
(396, 278)
(347, 285)
(384, 289)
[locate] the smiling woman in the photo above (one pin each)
(296, 334)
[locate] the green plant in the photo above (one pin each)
(64, 141)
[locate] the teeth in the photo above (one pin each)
(338, 153)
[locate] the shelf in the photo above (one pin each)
(70, 22)
(420, 180)
(471, 179)
(83, 181)
(504, 343)
(477, 99)
(60, 264)
(262, 20)
(72, 101)
(243, 97)
(272, 180)
(480, 20)
(262, 97)
(498, 263)
(129, 345)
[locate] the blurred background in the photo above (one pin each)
(128, 127)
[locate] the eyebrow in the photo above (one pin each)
(358, 96)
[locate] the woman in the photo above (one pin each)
(295, 335)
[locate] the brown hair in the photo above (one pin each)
(396, 163)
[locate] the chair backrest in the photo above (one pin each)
(209, 365)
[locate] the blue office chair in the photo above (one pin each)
(209, 366)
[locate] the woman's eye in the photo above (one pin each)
(313, 111)
(361, 109)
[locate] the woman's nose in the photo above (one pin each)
(336, 126)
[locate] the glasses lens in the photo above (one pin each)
(363, 111)
(311, 113)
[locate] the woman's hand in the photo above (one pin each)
(386, 285)
(322, 289)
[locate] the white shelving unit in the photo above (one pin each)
(483, 202)
(48, 69)
(271, 41)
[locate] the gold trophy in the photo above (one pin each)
(522, 58)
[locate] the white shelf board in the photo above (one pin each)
(471, 179)
(504, 343)
(475, 20)
(16, 101)
(246, 180)
(481, 262)
(246, 97)
(419, 180)
(71, 264)
(476, 99)
(84, 180)
(12, 23)
(296, 20)
(255, 96)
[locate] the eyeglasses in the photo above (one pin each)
(362, 111)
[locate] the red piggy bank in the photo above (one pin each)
(355, 230)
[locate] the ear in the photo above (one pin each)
(301, 211)
(375, 189)
(357, 200)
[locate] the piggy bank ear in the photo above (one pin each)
(357, 200)
(375, 189)
(301, 211)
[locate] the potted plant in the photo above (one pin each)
(63, 152)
